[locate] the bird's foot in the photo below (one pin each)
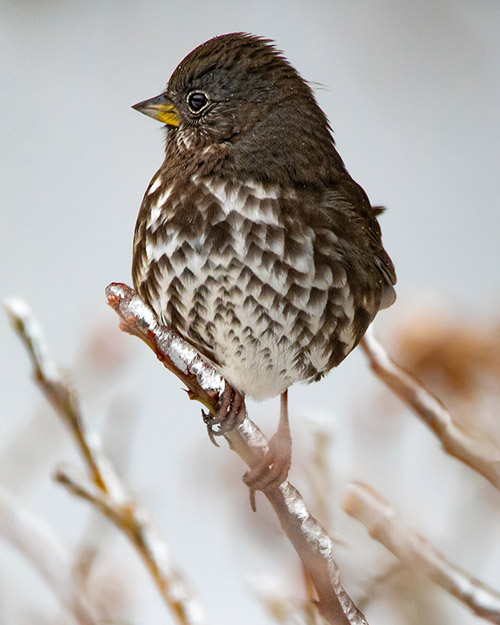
(230, 414)
(273, 469)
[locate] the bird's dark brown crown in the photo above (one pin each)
(258, 108)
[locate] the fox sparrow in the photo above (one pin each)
(253, 242)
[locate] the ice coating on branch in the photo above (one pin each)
(142, 311)
(183, 356)
(25, 324)
(178, 590)
(471, 447)
(387, 527)
(186, 358)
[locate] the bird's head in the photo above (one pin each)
(238, 90)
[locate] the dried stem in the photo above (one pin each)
(312, 543)
(480, 455)
(107, 492)
(47, 555)
(385, 526)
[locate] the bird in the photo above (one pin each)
(253, 242)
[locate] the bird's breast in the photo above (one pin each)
(235, 273)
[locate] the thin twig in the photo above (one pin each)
(116, 439)
(385, 526)
(312, 543)
(47, 555)
(107, 491)
(55, 386)
(134, 522)
(480, 455)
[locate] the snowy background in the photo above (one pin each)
(413, 94)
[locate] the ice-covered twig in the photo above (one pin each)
(385, 526)
(135, 523)
(480, 455)
(55, 386)
(116, 438)
(310, 540)
(43, 550)
(107, 492)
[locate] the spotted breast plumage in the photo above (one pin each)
(253, 241)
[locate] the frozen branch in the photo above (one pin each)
(116, 439)
(134, 522)
(204, 384)
(480, 455)
(47, 555)
(56, 387)
(107, 492)
(385, 526)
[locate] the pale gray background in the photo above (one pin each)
(412, 90)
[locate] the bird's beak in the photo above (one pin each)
(160, 108)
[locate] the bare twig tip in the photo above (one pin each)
(18, 312)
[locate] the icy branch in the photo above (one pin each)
(46, 554)
(385, 526)
(310, 540)
(134, 522)
(56, 387)
(106, 490)
(480, 455)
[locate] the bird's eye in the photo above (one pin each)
(197, 101)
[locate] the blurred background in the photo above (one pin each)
(412, 91)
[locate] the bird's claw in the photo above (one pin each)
(273, 468)
(230, 414)
(212, 433)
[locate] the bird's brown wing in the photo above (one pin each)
(356, 220)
